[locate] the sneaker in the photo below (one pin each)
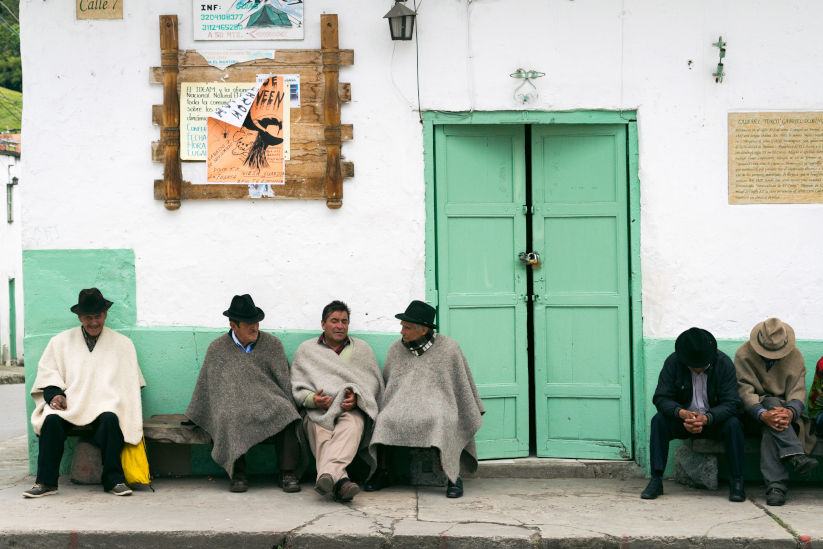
(40, 490)
(345, 490)
(653, 489)
(120, 490)
(289, 482)
(324, 485)
(775, 497)
(239, 483)
(802, 464)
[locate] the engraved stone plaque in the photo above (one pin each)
(776, 158)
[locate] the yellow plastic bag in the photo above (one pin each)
(135, 463)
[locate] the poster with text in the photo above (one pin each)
(248, 20)
(245, 137)
(197, 101)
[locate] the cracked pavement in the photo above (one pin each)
(506, 513)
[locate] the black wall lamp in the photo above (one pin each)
(401, 21)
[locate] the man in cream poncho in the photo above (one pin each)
(771, 378)
(87, 375)
(337, 381)
(430, 399)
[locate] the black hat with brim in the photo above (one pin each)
(242, 309)
(91, 302)
(695, 348)
(419, 313)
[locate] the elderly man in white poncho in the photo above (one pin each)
(337, 382)
(87, 376)
(430, 399)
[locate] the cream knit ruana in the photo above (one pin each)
(106, 380)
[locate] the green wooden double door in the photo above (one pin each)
(567, 195)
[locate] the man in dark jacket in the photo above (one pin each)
(696, 397)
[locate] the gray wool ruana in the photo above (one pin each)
(316, 366)
(242, 399)
(431, 402)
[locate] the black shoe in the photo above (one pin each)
(239, 483)
(802, 464)
(345, 490)
(455, 490)
(736, 490)
(40, 490)
(379, 480)
(653, 489)
(289, 482)
(775, 497)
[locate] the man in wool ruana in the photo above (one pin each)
(771, 379)
(430, 400)
(337, 381)
(243, 397)
(87, 376)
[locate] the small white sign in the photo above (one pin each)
(225, 58)
(248, 19)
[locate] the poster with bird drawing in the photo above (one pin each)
(248, 19)
(245, 137)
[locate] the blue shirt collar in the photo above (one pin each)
(246, 349)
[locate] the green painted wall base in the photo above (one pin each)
(170, 357)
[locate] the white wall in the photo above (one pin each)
(11, 259)
(88, 132)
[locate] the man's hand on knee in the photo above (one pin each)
(58, 403)
(776, 419)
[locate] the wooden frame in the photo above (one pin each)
(315, 171)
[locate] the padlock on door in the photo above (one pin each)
(531, 259)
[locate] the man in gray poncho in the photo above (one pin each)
(430, 400)
(243, 397)
(336, 379)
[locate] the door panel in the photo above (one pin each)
(581, 315)
(481, 228)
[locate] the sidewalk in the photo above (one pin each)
(12, 374)
(505, 513)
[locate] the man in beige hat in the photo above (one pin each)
(771, 378)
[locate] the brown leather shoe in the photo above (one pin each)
(324, 485)
(345, 490)
(288, 482)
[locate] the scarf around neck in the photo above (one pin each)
(421, 344)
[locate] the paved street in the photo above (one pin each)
(528, 513)
(12, 411)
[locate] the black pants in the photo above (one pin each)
(286, 450)
(664, 429)
(107, 435)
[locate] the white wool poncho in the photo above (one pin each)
(105, 380)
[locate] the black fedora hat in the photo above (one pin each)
(419, 313)
(695, 348)
(242, 308)
(91, 302)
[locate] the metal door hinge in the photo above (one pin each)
(528, 209)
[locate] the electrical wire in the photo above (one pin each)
(417, 59)
(11, 12)
(470, 59)
(391, 74)
(6, 23)
(10, 102)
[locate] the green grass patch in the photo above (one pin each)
(11, 109)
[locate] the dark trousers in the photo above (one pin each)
(664, 429)
(774, 447)
(107, 435)
(818, 424)
(286, 450)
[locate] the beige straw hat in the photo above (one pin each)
(772, 339)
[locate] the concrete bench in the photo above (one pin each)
(695, 463)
